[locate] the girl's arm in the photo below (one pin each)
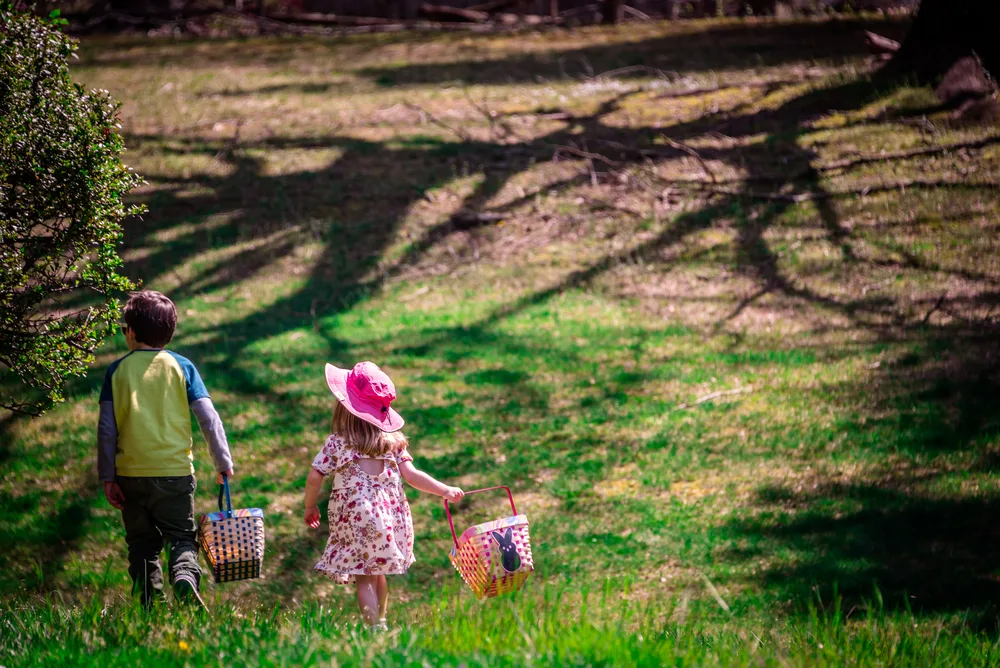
(425, 483)
(313, 483)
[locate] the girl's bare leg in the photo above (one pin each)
(368, 599)
(383, 596)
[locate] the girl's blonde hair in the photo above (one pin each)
(364, 437)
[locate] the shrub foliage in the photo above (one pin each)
(62, 190)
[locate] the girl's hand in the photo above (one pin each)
(312, 517)
(453, 494)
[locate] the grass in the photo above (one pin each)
(309, 202)
(534, 630)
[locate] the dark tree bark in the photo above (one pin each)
(611, 11)
(946, 34)
(409, 9)
(145, 7)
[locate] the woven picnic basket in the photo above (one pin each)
(233, 540)
(493, 558)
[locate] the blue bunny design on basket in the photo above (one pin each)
(233, 540)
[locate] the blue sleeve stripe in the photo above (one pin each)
(106, 393)
(195, 386)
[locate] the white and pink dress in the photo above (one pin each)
(371, 531)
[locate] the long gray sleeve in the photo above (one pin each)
(107, 442)
(211, 428)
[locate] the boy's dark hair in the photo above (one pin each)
(152, 316)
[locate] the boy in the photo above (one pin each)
(144, 448)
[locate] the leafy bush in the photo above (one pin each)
(62, 189)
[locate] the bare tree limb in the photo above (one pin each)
(630, 70)
(428, 116)
(935, 308)
(454, 13)
(715, 395)
(812, 196)
(586, 155)
(693, 153)
(902, 155)
(632, 11)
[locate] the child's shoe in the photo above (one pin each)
(186, 591)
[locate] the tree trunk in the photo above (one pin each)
(945, 32)
(611, 11)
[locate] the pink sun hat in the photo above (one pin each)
(366, 392)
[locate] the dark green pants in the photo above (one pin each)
(158, 510)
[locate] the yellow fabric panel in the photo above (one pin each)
(154, 421)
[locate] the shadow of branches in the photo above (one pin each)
(924, 545)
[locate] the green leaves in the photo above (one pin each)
(62, 188)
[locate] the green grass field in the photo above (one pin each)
(721, 312)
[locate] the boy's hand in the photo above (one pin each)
(113, 493)
(454, 494)
(218, 476)
(312, 517)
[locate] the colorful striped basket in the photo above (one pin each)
(233, 540)
(495, 557)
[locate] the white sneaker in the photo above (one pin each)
(186, 591)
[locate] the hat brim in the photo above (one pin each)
(388, 421)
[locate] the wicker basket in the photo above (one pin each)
(233, 540)
(494, 557)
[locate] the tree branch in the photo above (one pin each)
(715, 395)
(426, 115)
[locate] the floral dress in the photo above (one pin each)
(371, 531)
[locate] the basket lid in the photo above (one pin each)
(221, 515)
(486, 527)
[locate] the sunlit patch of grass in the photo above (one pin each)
(607, 625)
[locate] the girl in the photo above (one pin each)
(371, 532)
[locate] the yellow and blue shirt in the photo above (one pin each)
(151, 393)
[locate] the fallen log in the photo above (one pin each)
(492, 6)
(880, 46)
(195, 22)
(311, 18)
(152, 15)
(524, 19)
(445, 13)
(585, 11)
(635, 13)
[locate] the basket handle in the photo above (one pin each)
(224, 489)
(447, 510)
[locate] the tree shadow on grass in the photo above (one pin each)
(270, 216)
(690, 47)
(43, 544)
(925, 554)
(700, 49)
(935, 549)
(920, 530)
(751, 217)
